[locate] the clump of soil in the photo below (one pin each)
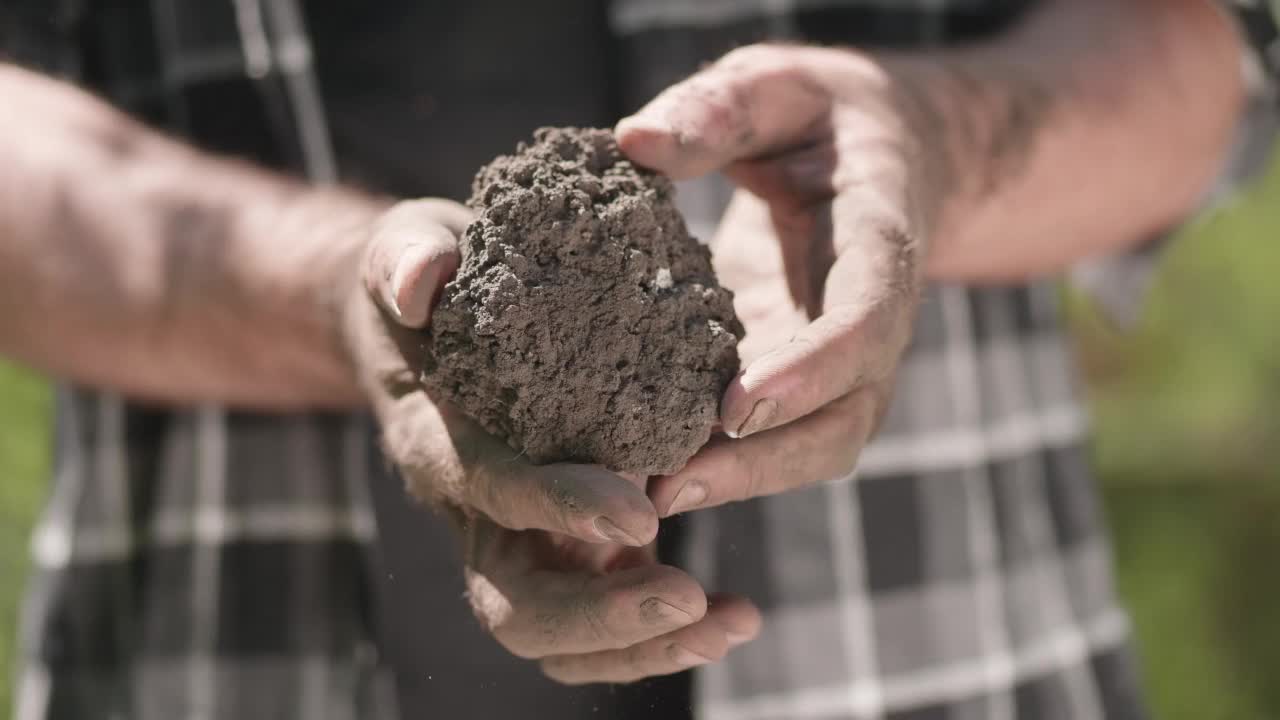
(584, 324)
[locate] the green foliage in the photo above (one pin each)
(25, 407)
(1188, 444)
(1194, 390)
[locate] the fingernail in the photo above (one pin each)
(761, 415)
(692, 495)
(736, 639)
(654, 610)
(685, 657)
(410, 263)
(610, 531)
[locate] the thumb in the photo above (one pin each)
(413, 252)
(753, 101)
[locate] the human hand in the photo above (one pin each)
(559, 560)
(828, 245)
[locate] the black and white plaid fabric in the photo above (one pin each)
(213, 564)
(206, 563)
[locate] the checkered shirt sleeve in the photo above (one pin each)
(201, 564)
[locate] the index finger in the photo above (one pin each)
(750, 102)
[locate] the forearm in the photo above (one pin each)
(1094, 125)
(130, 261)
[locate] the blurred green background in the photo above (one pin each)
(1188, 411)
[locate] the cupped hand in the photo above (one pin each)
(559, 559)
(823, 246)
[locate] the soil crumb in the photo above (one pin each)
(584, 324)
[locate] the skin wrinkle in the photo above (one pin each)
(1004, 119)
(816, 96)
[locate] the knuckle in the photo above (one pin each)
(759, 57)
(772, 68)
(563, 506)
(597, 618)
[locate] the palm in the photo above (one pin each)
(748, 259)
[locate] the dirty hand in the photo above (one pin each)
(823, 247)
(559, 557)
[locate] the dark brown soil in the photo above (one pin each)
(584, 324)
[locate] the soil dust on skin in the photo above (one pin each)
(584, 324)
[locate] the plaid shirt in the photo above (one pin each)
(217, 564)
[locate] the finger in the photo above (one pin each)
(855, 343)
(543, 613)
(445, 455)
(410, 257)
(738, 616)
(453, 215)
(753, 101)
(583, 501)
(819, 448)
(730, 621)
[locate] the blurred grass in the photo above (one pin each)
(25, 414)
(1187, 411)
(1188, 418)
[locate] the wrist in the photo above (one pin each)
(337, 285)
(971, 127)
(318, 237)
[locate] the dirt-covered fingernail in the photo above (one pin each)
(685, 657)
(610, 531)
(691, 496)
(655, 610)
(761, 416)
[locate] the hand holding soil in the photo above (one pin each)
(584, 325)
(824, 246)
(559, 565)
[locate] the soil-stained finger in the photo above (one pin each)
(573, 613)
(821, 447)
(728, 623)
(582, 501)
